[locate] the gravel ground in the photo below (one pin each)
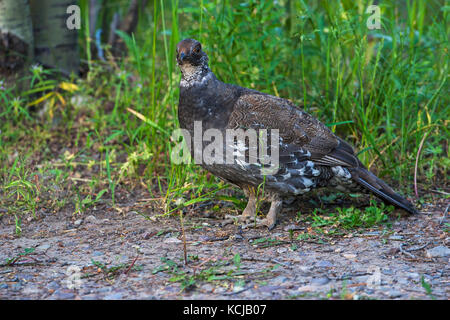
(107, 255)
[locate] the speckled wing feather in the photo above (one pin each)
(297, 129)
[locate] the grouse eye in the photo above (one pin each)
(197, 49)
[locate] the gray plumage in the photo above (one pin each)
(310, 155)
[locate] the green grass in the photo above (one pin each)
(223, 271)
(350, 218)
(382, 90)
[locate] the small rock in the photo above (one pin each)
(113, 296)
(53, 285)
(292, 227)
(64, 295)
(3, 286)
(208, 287)
(90, 297)
(392, 251)
(97, 253)
(369, 291)
(439, 251)
(320, 281)
(304, 269)
(396, 237)
(237, 288)
(43, 247)
(387, 272)
(104, 289)
(394, 293)
(279, 279)
(413, 275)
(78, 222)
(172, 240)
(307, 288)
(324, 264)
(269, 288)
(282, 250)
(349, 255)
(91, 219)
(372, 233)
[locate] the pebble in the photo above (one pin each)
(371, 233)
(369, 291)
(172, 240)
(282, 250)
(394, 237)
(3, 286)
(349, 255)
(307, 288)
(304, 269)
(113, 296)
(387, 272)
(53, 285)
(279, 279)
(104, 289)
(78, 222)
(292, 227)
(43, 247)
(90, 297)
(320, 281)
(97, 253)
(439, 251)
(324, 264)
(394, 293)
(63, 295)
(412, 275)
(91, 219)
(207, 287)
(269, 288)
(14, 278)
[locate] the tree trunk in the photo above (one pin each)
(56, 46)
(16, 39)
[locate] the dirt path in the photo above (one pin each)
(94, 257)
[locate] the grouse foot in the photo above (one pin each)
(249, 222)
(248, 217)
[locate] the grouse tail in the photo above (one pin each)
(377, 186)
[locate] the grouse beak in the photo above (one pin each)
(181, 58)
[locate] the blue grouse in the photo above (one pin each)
(309, 155)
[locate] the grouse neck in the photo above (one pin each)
(194, 75)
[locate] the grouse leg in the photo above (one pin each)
(249, 212)
(270, 220)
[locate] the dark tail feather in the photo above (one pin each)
(371, 182)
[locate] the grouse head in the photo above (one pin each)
(191, 59)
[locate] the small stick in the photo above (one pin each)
(131, 265)
(440, 192)
(418, 248)
(417, 164)
(445, 214)
(405, 252)
(184, 238)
